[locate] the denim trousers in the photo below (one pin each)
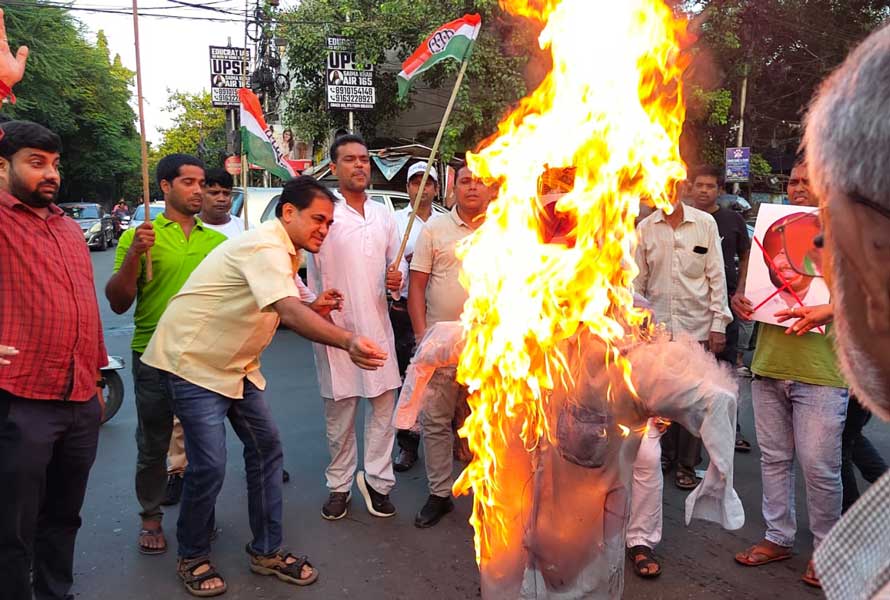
(202, 414)
(795, 419)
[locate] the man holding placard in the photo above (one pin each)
(799, 395)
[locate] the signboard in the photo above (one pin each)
(738, 164)
(233, 165)
(228, 72)
(350, 84)
(785, 265)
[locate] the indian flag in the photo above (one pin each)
(452, 40)
(257, 141)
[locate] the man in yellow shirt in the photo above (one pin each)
(207, 345)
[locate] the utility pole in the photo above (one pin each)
(740, 137)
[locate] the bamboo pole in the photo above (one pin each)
(429, 164)
(145, 193)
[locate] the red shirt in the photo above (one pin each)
(48, 307)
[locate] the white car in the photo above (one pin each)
(155, 208)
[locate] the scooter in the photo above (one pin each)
(114, 387)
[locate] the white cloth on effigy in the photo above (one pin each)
(570, 497)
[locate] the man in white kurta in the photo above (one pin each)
(361, 244)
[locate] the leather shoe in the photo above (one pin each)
(404, 461)
(432, 512)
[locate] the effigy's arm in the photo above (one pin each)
(440, 347)
(681, 381)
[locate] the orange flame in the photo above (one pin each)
(602, 132)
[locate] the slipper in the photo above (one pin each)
(761, 554)
(742, 445)
(157, 532)
(685, 480)
(810, 578)
(643, 558)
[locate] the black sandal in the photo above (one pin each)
(192, 582)
(685, 480)
(642, 557)
(277, 565)
(742, 445)
(149, 550)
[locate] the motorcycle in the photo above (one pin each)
(121, 224)
(114, 387)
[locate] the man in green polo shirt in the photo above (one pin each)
(178, 243)
(800, 404)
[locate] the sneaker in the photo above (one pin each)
(336, 506)
(378, 504)
(174, 490)
(432, 512)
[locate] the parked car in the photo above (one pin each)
(96, 224)
(155, 208)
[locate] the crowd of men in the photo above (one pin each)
(215, 295)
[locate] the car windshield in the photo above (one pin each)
(139, 215)
(81, 212)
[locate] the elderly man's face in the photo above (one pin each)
(859, 277)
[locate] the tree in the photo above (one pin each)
(199, 128)
(385, 33)
(75, 89)
(785, 48)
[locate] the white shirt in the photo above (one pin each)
(402, 216)
(233, 228)
(353, 259)
(687, 288)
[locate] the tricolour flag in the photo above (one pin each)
(452, 40)
(257, 141)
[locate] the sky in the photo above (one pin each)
(174, 52)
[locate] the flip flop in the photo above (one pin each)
(760, 554)
(149, 550)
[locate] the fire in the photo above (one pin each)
(555, 254)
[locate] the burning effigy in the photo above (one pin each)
(562, 368)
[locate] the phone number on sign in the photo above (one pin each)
(351, 95)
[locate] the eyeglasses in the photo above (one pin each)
(799, 240)
(819, 240)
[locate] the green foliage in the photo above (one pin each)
(199, 128)
(385, 33)
(759, 165)
(78, 91)
(785, 48)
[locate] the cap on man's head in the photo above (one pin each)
(419, 167)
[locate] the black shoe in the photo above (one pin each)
(378, 504)
(336, 506)
(432, 512)
(285, 476)
(174, 490)
(404, 461)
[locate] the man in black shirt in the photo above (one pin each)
(707, 184)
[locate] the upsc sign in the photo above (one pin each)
(350, 85)
(228, 72)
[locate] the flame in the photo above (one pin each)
(555, 254)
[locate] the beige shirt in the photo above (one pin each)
(434, 254)
(682, 273)
(214, 330)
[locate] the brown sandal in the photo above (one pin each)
(186, 569)
(277, 565)
(762, 553)
(810, 578)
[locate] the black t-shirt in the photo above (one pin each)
(734, 241)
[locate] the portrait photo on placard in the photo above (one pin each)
(785, 265)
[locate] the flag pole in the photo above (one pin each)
(146, 200)
(429, 164)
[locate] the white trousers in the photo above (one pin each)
(645, 523)
(379, 436)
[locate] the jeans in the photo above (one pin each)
(47, 448)
(202, 414)
(858, 451)
(154, 428)
(793, 418)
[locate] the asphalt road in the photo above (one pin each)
(362, 556)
